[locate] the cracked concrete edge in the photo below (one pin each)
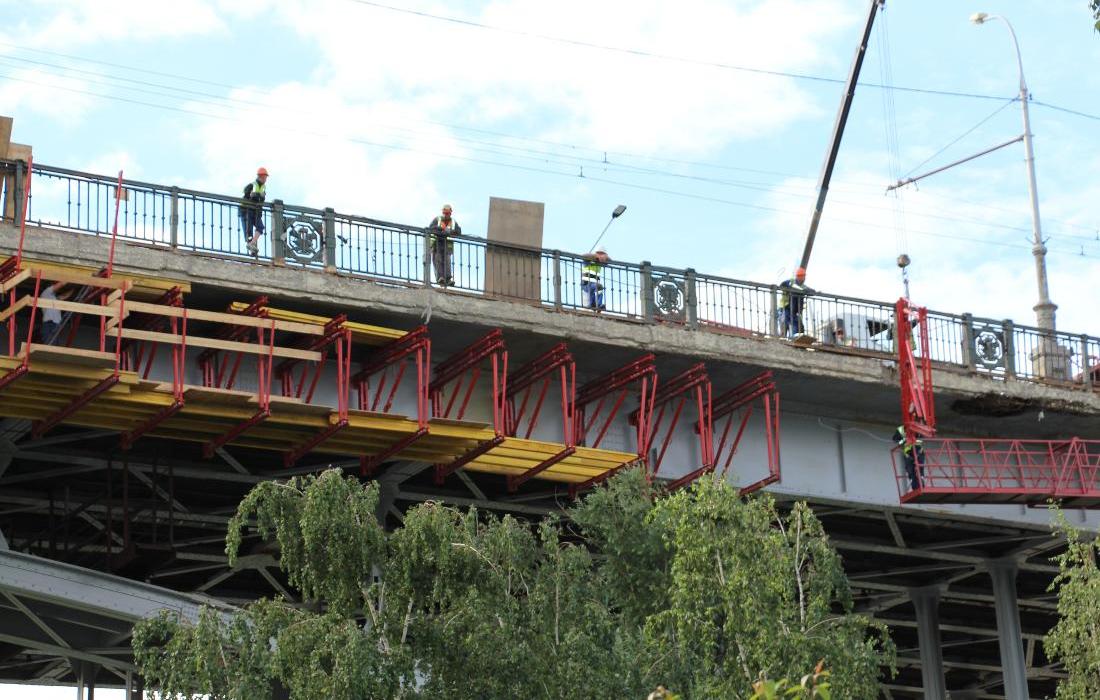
(278, 281)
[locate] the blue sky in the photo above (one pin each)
(389, 113)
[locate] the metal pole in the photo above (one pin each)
(1044, 310)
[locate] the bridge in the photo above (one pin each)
(193, 371)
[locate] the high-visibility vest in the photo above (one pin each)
(785, 293)
(591, 272)
(905, 446)
(446, 227)
(259, 188)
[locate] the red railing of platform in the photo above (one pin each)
(1004, 470)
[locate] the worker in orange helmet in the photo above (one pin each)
(252, 211)
(440, 232)
(792, 299)
(912, 453)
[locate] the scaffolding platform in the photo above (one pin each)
(96, 382)
(1027, 472)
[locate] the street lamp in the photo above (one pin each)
(616, 213)
(1044, 310)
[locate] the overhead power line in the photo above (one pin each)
(664, 57)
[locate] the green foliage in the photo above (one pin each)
(703, 592)
(813, 686)
(1094, 5)
(1075, 640)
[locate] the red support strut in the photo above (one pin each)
(452, 372)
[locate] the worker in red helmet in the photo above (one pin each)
(252, 211)
(792, 299)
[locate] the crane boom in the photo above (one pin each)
(838, 131)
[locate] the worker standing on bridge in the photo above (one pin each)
(591, 279)
(252, 211)
(439, 236)
(913, 455)
(792, 299)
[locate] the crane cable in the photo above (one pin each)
(893, 148)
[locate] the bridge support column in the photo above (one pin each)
(1009, 635)
(926, 602)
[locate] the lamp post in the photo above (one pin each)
(618, 211)
(1044, 310)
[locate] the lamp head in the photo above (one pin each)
(618, 211)
(979, 17)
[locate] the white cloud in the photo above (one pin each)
(30, 90)
(74, 23)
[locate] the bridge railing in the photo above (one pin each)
(397, 254)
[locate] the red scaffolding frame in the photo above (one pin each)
(336, 337)
(265, 337)
(671, 398)
(389, 364)
(737, 406)
(640, 374)
(918, 406)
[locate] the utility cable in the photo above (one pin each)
(962, 136)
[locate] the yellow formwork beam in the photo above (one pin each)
(143, 285)
(360, 332)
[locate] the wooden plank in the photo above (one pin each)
(61, 353)
(207, 393)
(78, 307)
(220, 317)
(198, 341)
(5, 135)
(15, 281)
(148, 285)
(84, 280)
(20, 304)
(360, 332)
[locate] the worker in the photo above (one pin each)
(792, 299)
(252, 211)
(439, 238)
(592, 279)
(51, 317)
(913, 455)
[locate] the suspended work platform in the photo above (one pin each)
(1029, 472)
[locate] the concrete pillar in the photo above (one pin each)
(926, 601)
(1009, 635)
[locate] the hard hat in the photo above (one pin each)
(261, 171)
(800, 271)
(448, 207)
(601, 250)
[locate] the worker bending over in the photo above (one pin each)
(591, 281)
(252, 211)
(439, 237)
(792, 299)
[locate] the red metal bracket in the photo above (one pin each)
(442, 471)
(416, 344)
(263, 393)
(641, 373)
(736, 406)
(469, 359)
(44, 425)
(213, 365)
(918, 407)
(694, 383)
(342, 341)
(557, 360)
(179, 356)
(515, 481)
(367, 465)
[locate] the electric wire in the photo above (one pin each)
(452, 156)
(663, 57)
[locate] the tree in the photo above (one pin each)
(1094, 5)
(701, 592)
(1075, 640)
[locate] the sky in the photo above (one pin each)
(388, 109)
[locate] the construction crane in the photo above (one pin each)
(838, 130)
